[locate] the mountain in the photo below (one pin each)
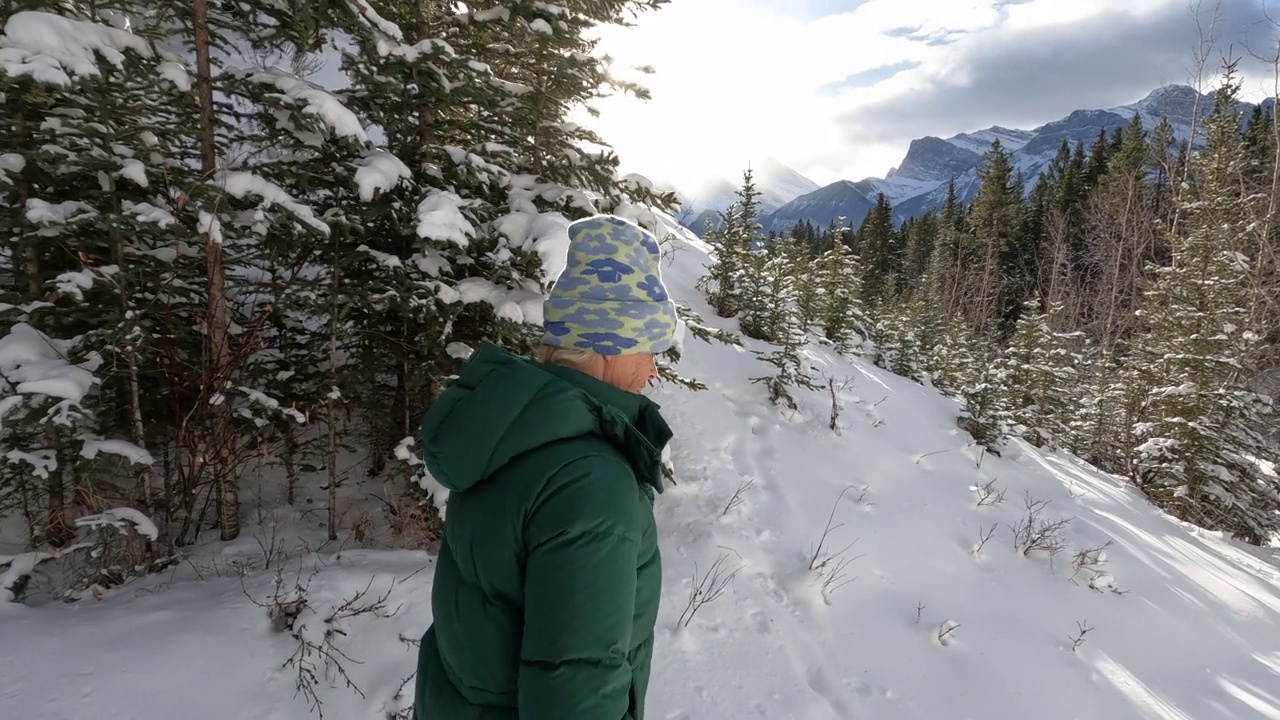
(919, 182)
(822, 206)
(909, 614)
(776, 183)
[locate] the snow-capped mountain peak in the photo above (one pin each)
(919, 182)
(777, 184)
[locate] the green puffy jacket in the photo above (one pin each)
(547, 584)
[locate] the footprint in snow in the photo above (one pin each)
(822, 684)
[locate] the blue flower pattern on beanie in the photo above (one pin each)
(610, 299)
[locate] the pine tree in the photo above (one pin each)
(878, 251)
(921, 238)
(1099, 159)
(1040, 372)
(785, 328)
(906, 337)
(1122, 239)
(196, 199)
(962, 368)
(840, 312)
(948, 263)
(994, 220)
(1200, 427)
(734, 242)
(238, 260)
(1110, 396)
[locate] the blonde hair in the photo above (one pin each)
(567, 357)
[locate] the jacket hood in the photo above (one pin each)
(502, 406)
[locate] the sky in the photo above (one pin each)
(837, 89)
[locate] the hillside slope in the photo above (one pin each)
(918, 624)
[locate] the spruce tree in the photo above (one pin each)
(235, 256)
(1200, 430)
(734, 242)
(994, 220)
(1040, 377)
(840, 312)
(878, 251)
(783, 326)
(1122, 239)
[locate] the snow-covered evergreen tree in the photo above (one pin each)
(1100, 430)
(907, 337)
(735, 242)
(1200, 429)
(783, 325)
(235, 250)
(837, 277)
(1040, 369)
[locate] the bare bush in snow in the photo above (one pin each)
(988, 495)
(946, 632)
(831, 564)
(984, 537)
(1035, 533)
(737, 498)
(1081, 630)
(706, 589)
(317, 630)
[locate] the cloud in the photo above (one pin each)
(1027, 72)
(841, 94)
(871, 77)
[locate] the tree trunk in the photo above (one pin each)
(332, 419)
(218, 359)
(291, 463)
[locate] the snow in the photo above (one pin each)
(375, 20)
(124, 518)
(980, 142)
(209, 224)
(176, 74)
(496, 13)
(11, 163)
(545, 233)
(51, 48)
(134, 170)
(148, 213)
(242, 183)
(440, 218)
(514, 305)
(31, 363)
(378, 172)
(125, 449)
(1141, 616)
(41, 212)
(315, 100)
(18, 566)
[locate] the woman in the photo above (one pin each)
(547, 585)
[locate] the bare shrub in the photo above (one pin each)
(707, 589)
(1034, 533)
(317, 630)
(830, 565)
(988, 495)
(737, 498)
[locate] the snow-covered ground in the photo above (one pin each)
(919, 623)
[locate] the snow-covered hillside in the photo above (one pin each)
(870, 571)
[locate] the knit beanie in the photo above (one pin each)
(610, 298)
